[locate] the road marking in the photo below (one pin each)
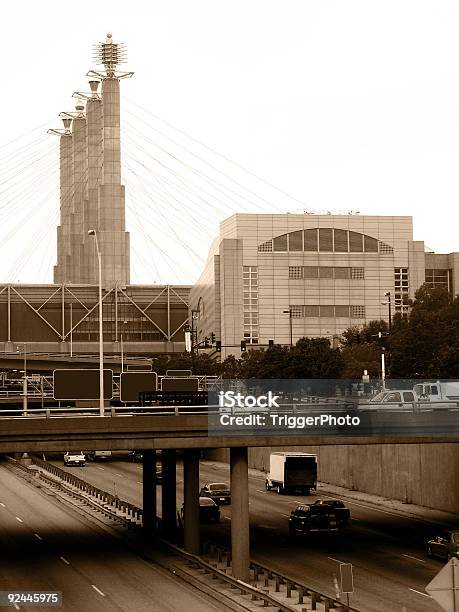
(139, 482)
(2, 505)
(38, 536)
(19, 519)
(287, 515)
(98, 590)
(280, 538)
(228, 518)
(64, 560)
(116, 474)
(16, 606)
(100, 468)
(336, 560)
(420, 593)
(415, 558)
(260, 491)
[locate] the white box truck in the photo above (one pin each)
(292, 471)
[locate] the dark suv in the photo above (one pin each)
(445, 545)
(312, 518)
(218, 491)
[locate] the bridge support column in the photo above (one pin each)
(169, 493)
(149, 490)
(191, 501)
(240, 536)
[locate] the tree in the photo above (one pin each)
(360, 357)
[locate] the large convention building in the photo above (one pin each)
(280, 277)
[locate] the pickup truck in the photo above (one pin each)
(311, 518)
(343, 514)
(74, 458)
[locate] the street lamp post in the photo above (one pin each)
(24, 383)
(387, 295)
(101, 331)
(289, 312)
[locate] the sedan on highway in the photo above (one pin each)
(445, 545)
(209, 512)
(343, 514)
(218, 491)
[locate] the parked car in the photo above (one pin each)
(343, 513)
(99, 455)
(445, 545)
(209, 512)
(311, 518)
(74, 458)
(218, 491)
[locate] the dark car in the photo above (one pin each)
(311, 518)
(445, 545)
(218, 491)
(343, 513)
(209, 512)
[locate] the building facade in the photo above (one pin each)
(285, 276)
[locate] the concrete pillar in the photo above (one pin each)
(80, 177)
(149, 490)
(66, 205)
(169, 493)
(191, 501)
(94, 131)
(240, 535)
(114, 240)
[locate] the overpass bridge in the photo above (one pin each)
(191, 429)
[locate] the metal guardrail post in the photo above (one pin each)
(314, 600)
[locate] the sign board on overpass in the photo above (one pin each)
(179, 384)
(81, 384)
(133, 383)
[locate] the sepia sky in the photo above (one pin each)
(343, 105)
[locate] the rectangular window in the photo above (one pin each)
(310, 240)
(355, 242)
(326, 240)
(370, 244)
(342, 273)
(311, 311)
(295, 241)
(310, 272)
(295, 272)
(358, 312)
(357, 273)
(280, 243)
(341, 241)
(325, 272)
(342, 311)
(327, 311)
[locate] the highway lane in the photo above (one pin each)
(47, 547)
(390, 565)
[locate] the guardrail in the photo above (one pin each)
(260, 573)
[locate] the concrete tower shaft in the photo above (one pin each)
(80, 179)
(66, 205)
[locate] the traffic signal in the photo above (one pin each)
(218, 346)
(212, 338)
(243, 346)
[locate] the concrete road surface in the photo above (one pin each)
(46, 547)
(386, 550)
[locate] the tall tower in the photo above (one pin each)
(95, 196)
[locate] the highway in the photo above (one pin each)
(390, 565)
(47, 547)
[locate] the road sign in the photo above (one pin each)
(133, 383)
(444, 587)
(347, 578)
(81, 384)
(179, 384)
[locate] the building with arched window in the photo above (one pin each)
(285, 276)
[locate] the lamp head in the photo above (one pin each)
(91, 232)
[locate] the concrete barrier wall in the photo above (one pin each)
(423, 474)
